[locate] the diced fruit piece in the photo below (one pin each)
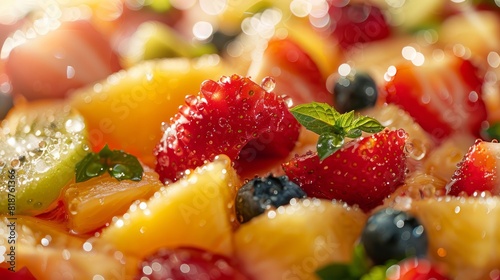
(415, 269)
(260, 194)
(93, 203)
(356, 23)
(293, 241)
(188, 263)
(142, 97)
(196, 211)
(443, 160)
(40, 144)
(51, 64)
(477, 172)
(363, 172)
(48, 252)
(354, 93)
(419, 143)
(391, 234)
(463, 234)
(233, 116)
(295, 73)
(442, 95)
(156, 40)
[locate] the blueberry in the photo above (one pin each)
(354, 93)
(259, 194)
(391, 234)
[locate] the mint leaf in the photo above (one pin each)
(316, 117)
(118, 164)
(335, 271)
(331, 126)
(328, 144)
(493, 132)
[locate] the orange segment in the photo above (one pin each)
(195, 211)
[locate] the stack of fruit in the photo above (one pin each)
(292, 139)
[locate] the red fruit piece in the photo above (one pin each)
(233, 116)
(415, 269)
(363, 172)
(294, 71)
(444, 96)
(21, 274)
(188, 264)
(356, 23)
(477, 172)
(49, 65)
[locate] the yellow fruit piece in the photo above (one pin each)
(93, 203)
(140, 99)
(51, 253)
(293, 241)
(463, 234)
(195, 211)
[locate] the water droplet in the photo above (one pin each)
(94, 169)
(268, 84)
(15, 163)
(120, 170)
(38, 205)
(191, 100)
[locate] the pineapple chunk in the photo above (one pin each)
(195, 211)
(463, 234)
(93, 203)
(293, 241)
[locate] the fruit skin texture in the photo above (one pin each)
(391, 234)
(415, 269)
(201, 264)
(355, 93)
(233, 116)
(443, 96)
(477, 172)
(363, 172)
(295, 240)
(71, 56)
(259, 194)
(196, 211)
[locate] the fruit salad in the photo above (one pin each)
(249, 140)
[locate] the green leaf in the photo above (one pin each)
(332, 126)
(316, 117)
(328, 144)
(493, 131)
(338, 271)
(118, 164)
(368, 124)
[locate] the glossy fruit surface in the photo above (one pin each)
(363, 172)
(233, 116)
(40, 144)
(415, 269)
(354, 93)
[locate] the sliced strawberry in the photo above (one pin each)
(188, 263)
(295, 73)
(415, 269)
(65, 58)
(444, 96)
(356, 23)
(363, 172)
(233, 116)
(477, 172)
(19, 274)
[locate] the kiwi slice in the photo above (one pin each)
(40, 144)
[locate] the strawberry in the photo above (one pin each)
(415, 269)
(363, 172)
(477, 172)
(356, 23)
(233, 116)
(294, 71)
(19, 274)
(443, 96)
(187, 263)
(58, 60)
